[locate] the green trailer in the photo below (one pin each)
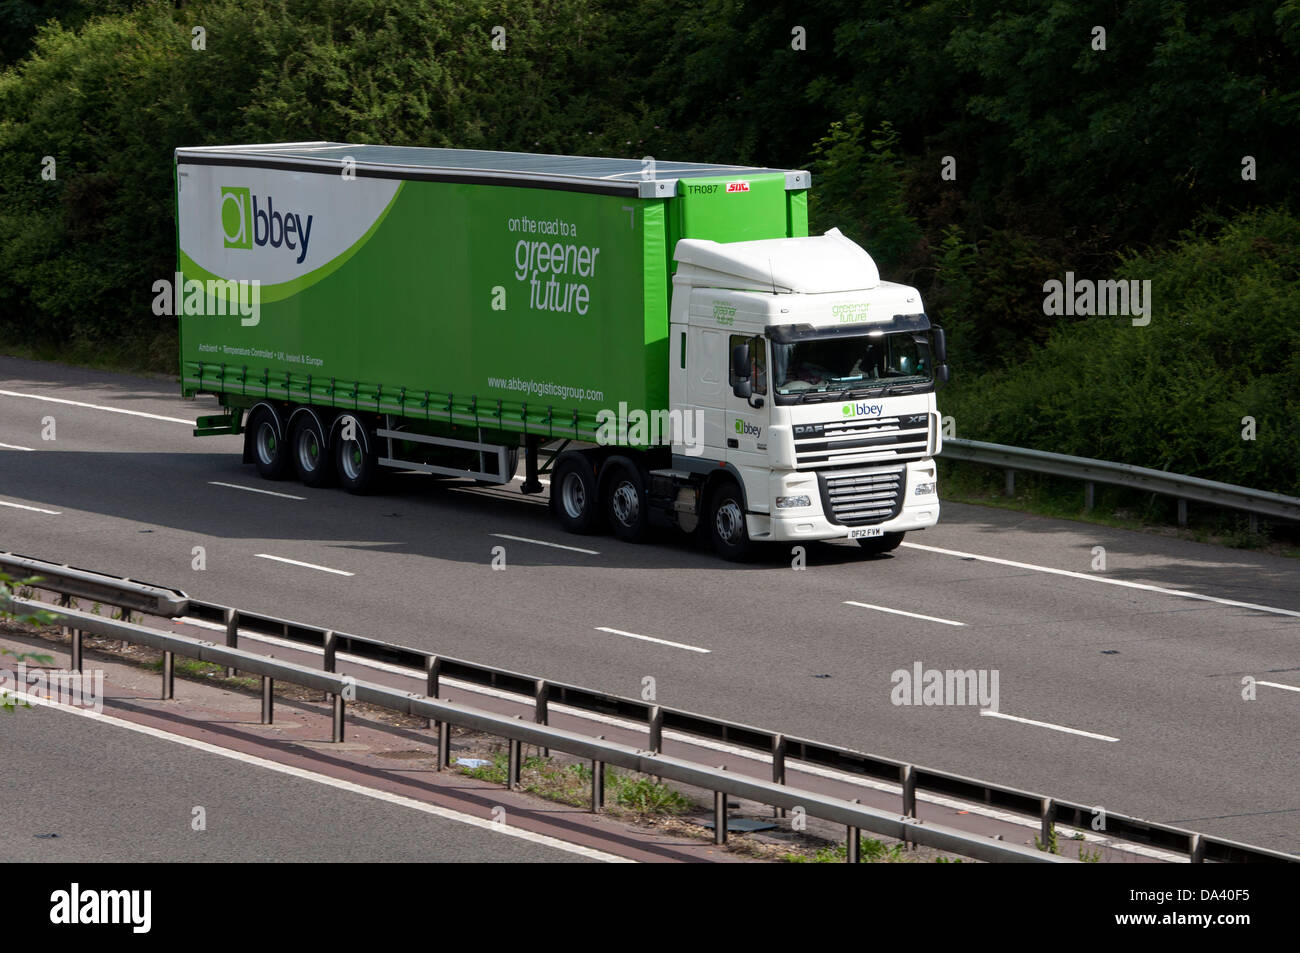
(356, 307)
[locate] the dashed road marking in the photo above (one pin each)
(651, 638)
(296, 562)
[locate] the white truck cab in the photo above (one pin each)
(815, 383)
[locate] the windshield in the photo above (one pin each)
(831, 367)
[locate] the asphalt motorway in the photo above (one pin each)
(1120, 687)
(207, 806)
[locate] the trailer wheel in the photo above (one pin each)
(270, 451)
(355, 462)
(877, 545)
(574, 494)
(727, 524)
(310, 451)
(626, 507)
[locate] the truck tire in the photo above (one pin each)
(727, 524)
(270, 450)
(878, 545)
(626, 507)
(355, 462)
(574, 499)
(310, 452)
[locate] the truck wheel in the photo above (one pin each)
(270, 451)
(625, 501)
(727, 524)
(355, 463)
(574, 494)
(310, 452)
(877, 545)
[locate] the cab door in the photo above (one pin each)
(746, 420)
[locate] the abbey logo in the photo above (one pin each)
(747, 429)
(244, 224)
(724, 313)
(237, 217)
(861, 409)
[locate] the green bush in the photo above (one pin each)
(1223, 344)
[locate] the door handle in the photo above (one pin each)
(733, 443)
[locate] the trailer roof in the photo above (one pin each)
(571, 173)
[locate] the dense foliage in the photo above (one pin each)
(1126, 160)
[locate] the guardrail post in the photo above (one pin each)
(338, 718)
(909, 799)
(597, 786)
(1048, 816)
(169, 676)
(1196, 850)
(1088, 494)
(541, 708)
(719, 817)
(853, 847)
(76, 663)
(331, 650)
(432, 669)
(778, 768)
(514, 768)
(1011, 483)
(1182, 512)
(268, 702)
(63, 602)
(232, 636)
(444, 745)
(656, 723)
(1254, 523)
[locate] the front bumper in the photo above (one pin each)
(911, 511)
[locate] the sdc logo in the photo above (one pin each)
(747, 429)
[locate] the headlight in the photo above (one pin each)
(921, 489)
(789, 502)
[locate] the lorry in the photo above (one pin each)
(664, 340)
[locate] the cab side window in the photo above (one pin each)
(757, 361)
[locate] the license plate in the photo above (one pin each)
(866, 532)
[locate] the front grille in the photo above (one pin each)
(862, 440)
(862, 497)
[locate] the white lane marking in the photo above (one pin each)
(1110, 582)
(520, 479)
(1046, 724)
(339, 783)
(542, 542)
(792, 767)
(1289, 688)
(651, 638)
(111, 410)
(295, 562)
(34, 509)
(914, 615)
(253, 489)
(14, 446)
